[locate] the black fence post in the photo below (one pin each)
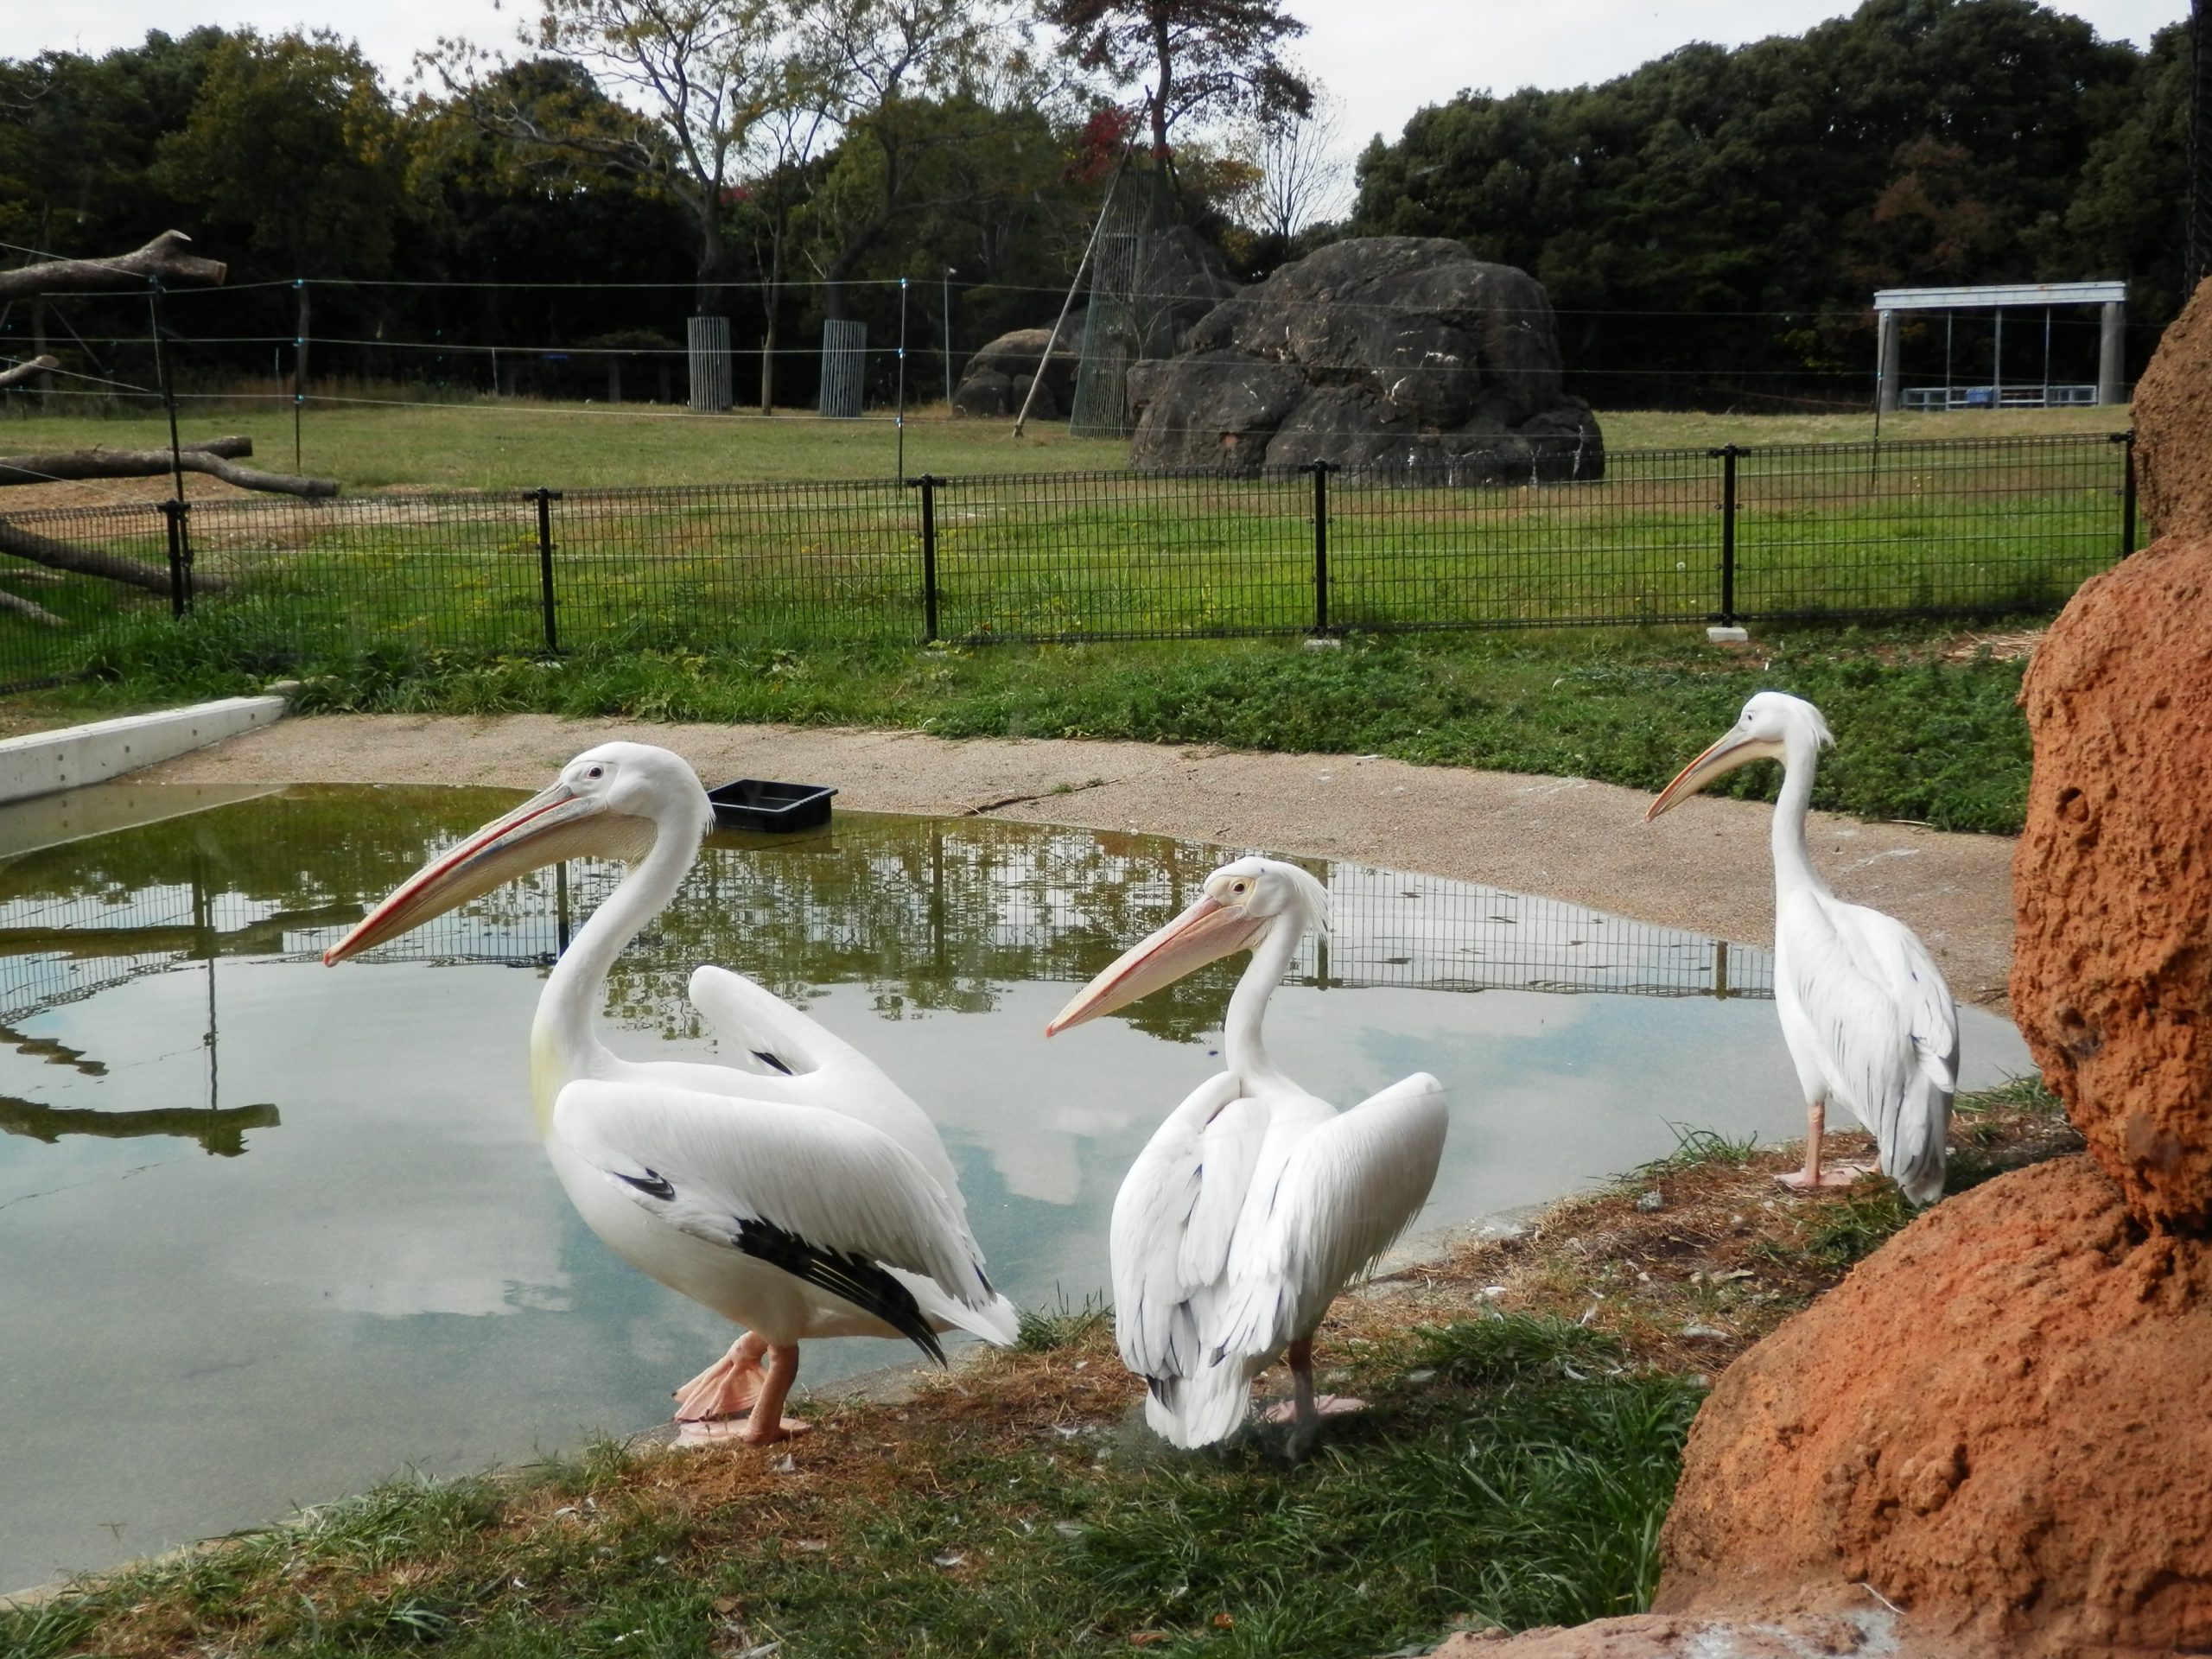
(1727, 454)
(2127, 441)
(545, 498)
(1321, 469)
(927, 484)
(175, 511)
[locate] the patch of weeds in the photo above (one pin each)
(1694, 1148)
(1855, 1222)
(1511, 1348)
(1064, 1326)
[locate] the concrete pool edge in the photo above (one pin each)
(49, 763)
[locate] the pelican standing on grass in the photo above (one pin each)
(1256, 1202)
(1866, 1015)
(798, 1192)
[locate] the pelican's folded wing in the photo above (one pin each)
(1346, 1191)
(1154, 1323)
(817, 1193)
(1888, 1031)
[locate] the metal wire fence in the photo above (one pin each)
(1847, 531)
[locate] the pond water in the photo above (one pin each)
(273, 1232)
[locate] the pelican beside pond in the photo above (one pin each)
(1866, 1015)
(798, 1192)
(1256, 1202)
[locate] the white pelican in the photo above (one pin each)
(1256, 1202)
(1866, 1015)
(798, 1193)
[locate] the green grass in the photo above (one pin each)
(522, 443)
(1921, 739)
(1525, 1488)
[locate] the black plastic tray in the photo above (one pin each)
(755, 803)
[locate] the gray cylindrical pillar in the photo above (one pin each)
(708, 342)
(1885, 361)
(2110, 345)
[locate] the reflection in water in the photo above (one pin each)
(393, 1277)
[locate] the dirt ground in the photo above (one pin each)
(1704, 866)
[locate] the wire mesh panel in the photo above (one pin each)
(707, 340)
(721, 567)
(844, 367)
(299, 581)
(1114, 555)
(69, 617)
(1420, 550)
(1924, 528)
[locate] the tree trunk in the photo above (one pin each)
(211, 458)
(163, 257)
(91, 562)
(774, 298)
(41, 364)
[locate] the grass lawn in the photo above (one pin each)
(520, 444)
(1529, 1397)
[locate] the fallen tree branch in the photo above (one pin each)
(213, 456)
(163, 257)
(29, 607)
(91, 562)
(23, 372)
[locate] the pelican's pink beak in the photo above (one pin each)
(1724, 757)
(1205, 932)
(547, 827)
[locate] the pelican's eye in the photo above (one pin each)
(596, 772)
(1240, 886)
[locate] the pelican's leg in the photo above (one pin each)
(767, 1424)
(726, 1389)
(1304, 1409)
(1813, 1176)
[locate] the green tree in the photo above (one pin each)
(293, 153)
(1207, 60)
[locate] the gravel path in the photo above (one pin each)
(1704, 866)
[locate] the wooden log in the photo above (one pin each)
(23, 372)
(91, 562)
(29, 607)
(214, 457)
(163, 257)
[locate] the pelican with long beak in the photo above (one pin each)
(1865, 1011)
(798, 1192)
(1256, 1202)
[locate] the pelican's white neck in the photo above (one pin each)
(564, 1041)
(1793, 862)
(1242, 1045)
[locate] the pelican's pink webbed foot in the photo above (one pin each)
(1324, 1405)
(726, 1389)
(1827, 1175)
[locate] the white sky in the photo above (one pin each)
(1385, 58)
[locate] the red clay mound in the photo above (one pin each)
(2173, 425)
(2111, 962)
(2001, 1422)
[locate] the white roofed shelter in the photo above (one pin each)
(1999, 297)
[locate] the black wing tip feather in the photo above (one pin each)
(854, 1279)
(769, 1060)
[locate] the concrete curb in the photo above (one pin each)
(45, 763)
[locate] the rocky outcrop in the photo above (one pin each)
(1393, 352)
(2001, 1422)
(996, 379)
(2111, 974)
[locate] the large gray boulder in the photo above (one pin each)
(1392, 353)
(996, 379)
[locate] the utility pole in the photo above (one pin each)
(945, 281)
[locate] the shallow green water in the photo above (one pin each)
(273, 1232)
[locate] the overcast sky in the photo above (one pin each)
(1385, 58)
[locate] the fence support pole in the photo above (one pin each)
(2127, 441)
(1727, 454)
(545, 498)
(1321, 469)
(173, 511)
(927, 484)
